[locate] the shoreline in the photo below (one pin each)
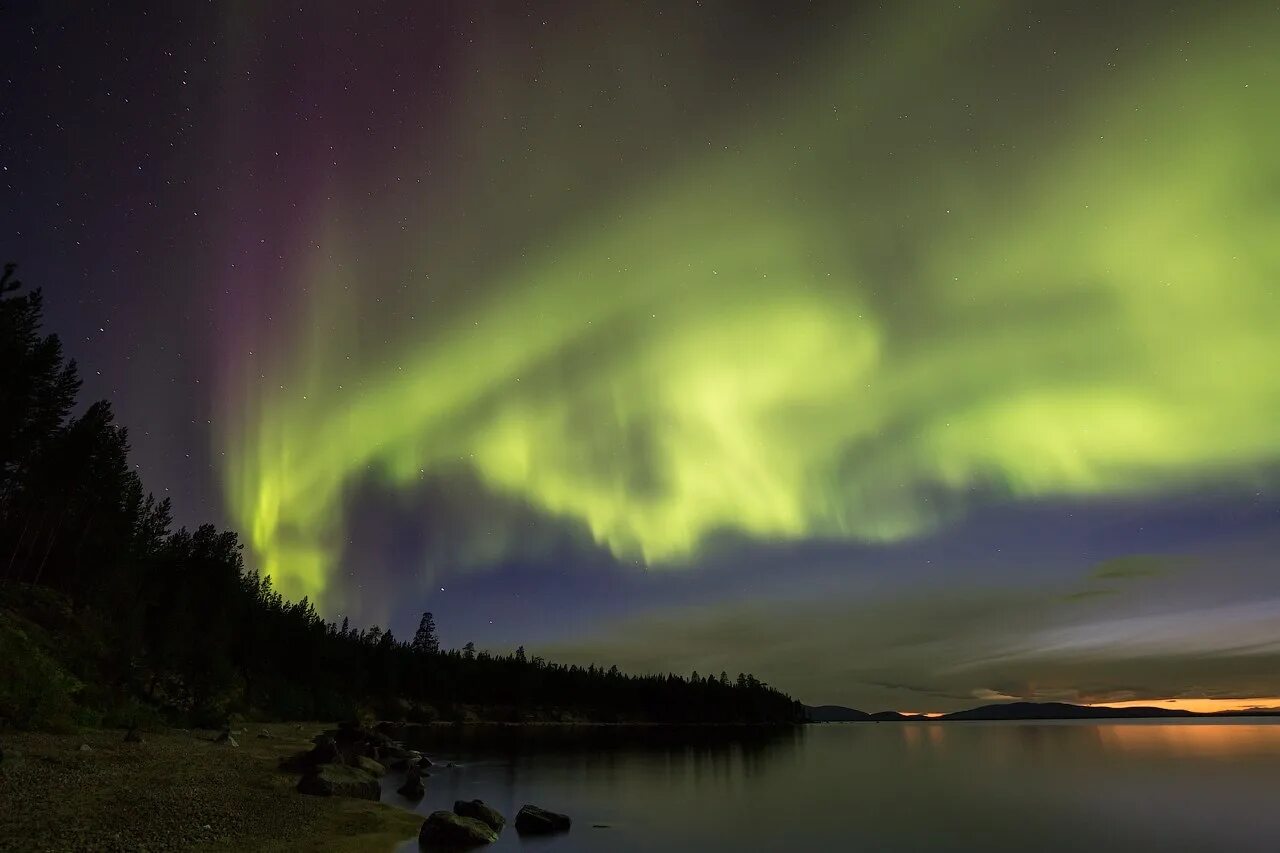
(179, 791)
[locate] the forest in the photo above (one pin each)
(110, 616)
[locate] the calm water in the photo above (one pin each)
(1121, 786)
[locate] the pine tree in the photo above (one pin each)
(196, 633)
(425, 640)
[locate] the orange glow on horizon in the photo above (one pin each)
(1201, 706)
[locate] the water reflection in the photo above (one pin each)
(1194, 738)
(891, 786)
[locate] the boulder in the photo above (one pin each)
(412, 787)
(425, 763)
(339, 780)
(226, 739)
(84, 747)
(381, 741)
(325, 751)
(477, 809)
(532, 820)
(265, 735)
(368, 765)
(132, 736)
(354, 733)
(349, 737)
(447, 831)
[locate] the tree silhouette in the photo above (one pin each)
(425, 640)
(182, 624)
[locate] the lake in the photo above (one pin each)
(991, 786)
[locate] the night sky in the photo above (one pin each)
(906, 355)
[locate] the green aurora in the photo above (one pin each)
(898, 285)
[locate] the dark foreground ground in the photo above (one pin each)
(177, 791)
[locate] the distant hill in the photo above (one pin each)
(834, 714)
(1023, 711)
(1060, 711)
(841, 714)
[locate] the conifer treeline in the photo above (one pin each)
(191, 631)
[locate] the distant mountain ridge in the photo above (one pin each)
(834, 714)
(1060, 711)
(1020, 711)
(841, 714)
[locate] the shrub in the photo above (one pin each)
(34, 691)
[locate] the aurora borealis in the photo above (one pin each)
(687, 311)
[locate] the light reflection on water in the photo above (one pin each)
(1132, 785)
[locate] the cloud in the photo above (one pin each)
(1137, 566)
(940, 652)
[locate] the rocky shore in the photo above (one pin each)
(350, 761)
(178, 790)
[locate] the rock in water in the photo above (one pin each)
(532, 820)
(447, 831)
(478, 810)
(338, 780)
(369, 766)
(412, 787)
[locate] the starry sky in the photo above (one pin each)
(907, 355)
